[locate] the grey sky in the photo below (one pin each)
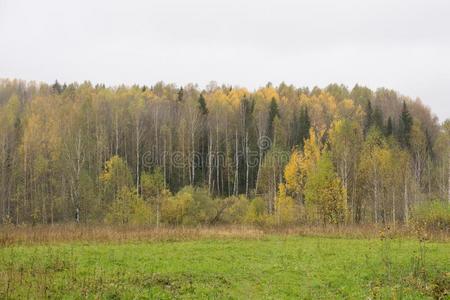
(404, 45)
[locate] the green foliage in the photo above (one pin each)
(202, 105)
(326, 198)
(361, 95)
(152, 184)
(257, 212)
(432, 215)
(339, 91)
(190, 206)
(236, 211)
(405, 126)
(368, 121)
(301, 127)
(273, 113)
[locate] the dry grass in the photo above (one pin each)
(28, 235)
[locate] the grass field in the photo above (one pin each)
(265, 266)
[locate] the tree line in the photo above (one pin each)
(165, 154)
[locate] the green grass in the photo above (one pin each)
(274, 267)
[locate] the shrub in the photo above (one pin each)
(257, 212)
(190, 206)
(431, 215)
(236, 210)
(129, 208)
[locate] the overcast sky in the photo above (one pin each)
(403, 45)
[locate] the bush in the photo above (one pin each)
(236, 210)
(190, 206)
(129, 208)
(257, 212)
(431, 215)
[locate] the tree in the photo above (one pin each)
(325, 196)
(128, 208)
(273, 113)
(57, 88)
(368, 122)
(115, 176)
(74, 147)
(302, 127)
(447, 134)
(300, 165)
(180, 94)
(286, 210)
(345, 140)
(405, 127)
(202, 105)
(377, 118)
(153, 191)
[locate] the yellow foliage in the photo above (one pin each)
(257, 213)
(286, 209)
(235, 96)
(129, 208)
(293, 173)
(299, 165)
(321, 108)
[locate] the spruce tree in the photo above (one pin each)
(368, 122)
(57, 88)
(377, 118)
(202, 105)
(180, 94)
(405, 126)
(273, 113)
(304, 125)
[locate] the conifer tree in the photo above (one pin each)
(405, 127)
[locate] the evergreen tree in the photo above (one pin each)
(377, 118)
(180, 94)
(368, 122)
(405, 126)
(202, 105)
(304, 125)
(57, 88)
(273, 113)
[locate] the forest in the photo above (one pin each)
(170, 155)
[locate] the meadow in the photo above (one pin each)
(221, 264)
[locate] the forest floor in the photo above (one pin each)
(224, 265)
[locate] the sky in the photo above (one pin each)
(402, 45)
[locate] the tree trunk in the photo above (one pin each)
(138, 133)
(236, 172)
(449, 177)
(210, 162)
(405, 199)
(218, 158)
(247, 164)
(393, 208)
(375, 201)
